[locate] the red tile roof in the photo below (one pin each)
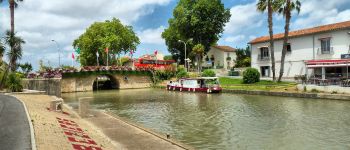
(225, 48)
(308, 31)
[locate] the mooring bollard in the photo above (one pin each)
(84, 106)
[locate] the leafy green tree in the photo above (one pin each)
(198, 52)
(200, 20)
(270, 6)
(101, 35)
(285, 8)
(243, 57)
(208, 73)
(168, 57)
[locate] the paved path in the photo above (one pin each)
(128, 136)
(14, 127)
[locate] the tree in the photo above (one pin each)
(168, 57)
(198, 52)
(12, 4)
(286, 7)
(2, 51)
(15, 53)
(270, 6)
(111, 34)
(26, 68)
(200, 20)
(243, 57)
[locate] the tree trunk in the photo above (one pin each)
(272, 47)
(12, 11)
(285, 40)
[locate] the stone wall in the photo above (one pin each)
(85, 83)
(50, 86)
(326, 89)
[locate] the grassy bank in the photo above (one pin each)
(237, 84)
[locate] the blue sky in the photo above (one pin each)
(39, 21)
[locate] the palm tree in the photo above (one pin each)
(286, 7)
(198, 51)
(269, 5)
(2, 50)
(13, 4)
(14, 54)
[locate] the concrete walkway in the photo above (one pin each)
(14, 126)
(129, 136)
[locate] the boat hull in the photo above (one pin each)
(185, 89)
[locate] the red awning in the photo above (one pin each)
(328, 63)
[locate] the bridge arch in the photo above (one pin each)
(105, 82)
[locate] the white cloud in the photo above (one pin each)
(39, 21)
(235, 39)
(319, 12)
(152, 36)
(244, 17)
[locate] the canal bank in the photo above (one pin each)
(295, 93)
(99, 130)
(327, 96)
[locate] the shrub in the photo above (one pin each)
(208, 73)
(251, 75)
(181, 74)
(193, 74)
(14, 83)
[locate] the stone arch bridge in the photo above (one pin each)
(84, 81)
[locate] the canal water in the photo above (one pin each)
(230, 121)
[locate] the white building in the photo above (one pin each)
(317, 52)
(220, 57)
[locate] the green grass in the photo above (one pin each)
(237, 84)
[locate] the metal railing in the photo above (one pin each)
(263, 58)
(325, 52)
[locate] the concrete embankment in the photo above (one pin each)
(132, 135)
(57, 130)
(292, 94)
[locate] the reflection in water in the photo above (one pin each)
(228, 121)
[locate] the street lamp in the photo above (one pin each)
(59, 53)
(185, 43)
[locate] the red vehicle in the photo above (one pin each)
(157, 64)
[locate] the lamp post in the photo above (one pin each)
(185, 43)
(59, 53)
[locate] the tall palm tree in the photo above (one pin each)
(198, 51)
(13, 4)
(286, 7)
(2, 51)
(270, 6)
(14, 54)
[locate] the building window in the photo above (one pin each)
(326, 45)
(264, 52)
(289, 48)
